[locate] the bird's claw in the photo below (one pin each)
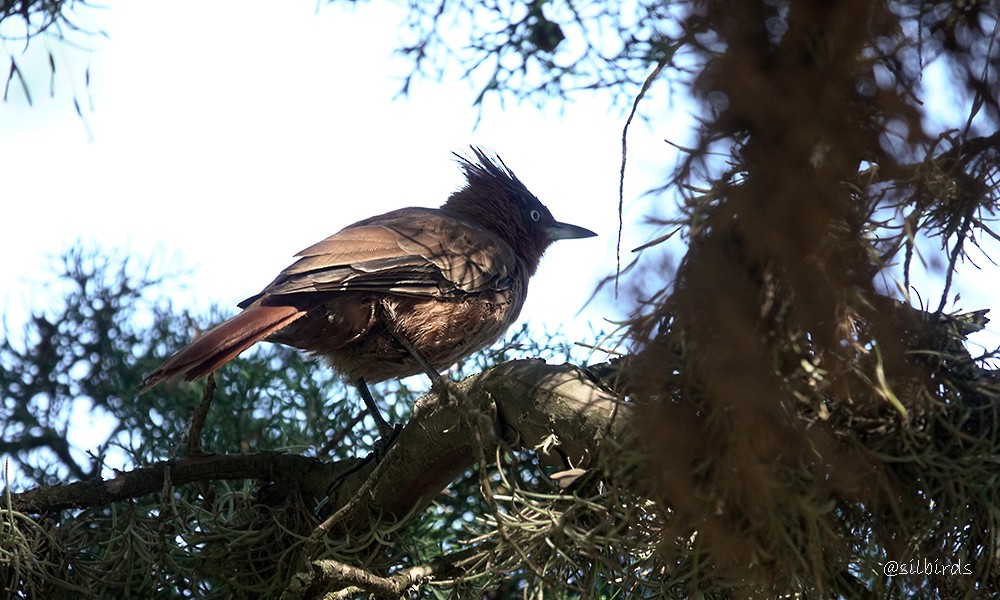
(387, 435)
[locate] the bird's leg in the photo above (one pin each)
(436, 379)
(385, 430)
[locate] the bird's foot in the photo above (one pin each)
(387, 436)
(439, 382)
(386, 431)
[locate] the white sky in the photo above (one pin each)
(229, 135)
(237, 133)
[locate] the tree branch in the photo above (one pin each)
(353, 580)
(306, 473)
(525, 403)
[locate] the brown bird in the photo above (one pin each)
(415, 289)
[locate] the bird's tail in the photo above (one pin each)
(223, 343)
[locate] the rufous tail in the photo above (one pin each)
(223, 343)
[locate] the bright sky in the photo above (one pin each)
(233, 134)
(229, 135)
(237, 133)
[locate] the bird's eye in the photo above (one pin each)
(535, 215)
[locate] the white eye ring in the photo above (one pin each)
(535, 215)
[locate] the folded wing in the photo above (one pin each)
(410, 252)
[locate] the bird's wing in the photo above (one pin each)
(423, 254)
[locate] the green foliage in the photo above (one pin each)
(85, 356)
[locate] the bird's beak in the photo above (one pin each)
(565, 231)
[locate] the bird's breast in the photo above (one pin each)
(354, 332)
(447, 331)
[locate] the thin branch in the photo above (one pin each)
(198, 418)
(621, 175)
(298, 471)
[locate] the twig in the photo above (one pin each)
(198, 418)
(335, 441)
(621, 175)
(330, 573)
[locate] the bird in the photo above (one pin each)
(415, 289)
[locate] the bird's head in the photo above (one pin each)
(495, 199)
